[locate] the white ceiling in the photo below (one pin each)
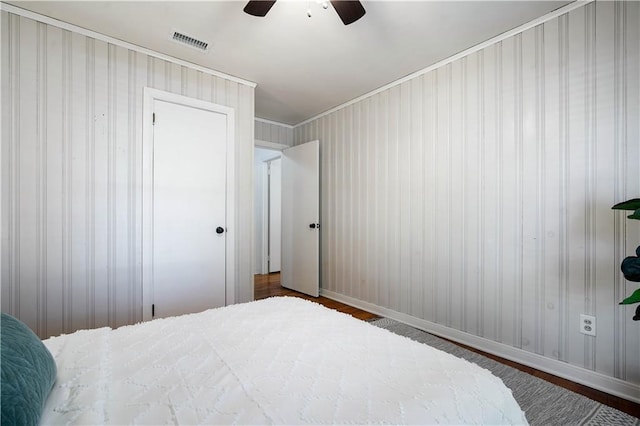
(303, 66)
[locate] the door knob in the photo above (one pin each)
(219, 230)
(312, 225)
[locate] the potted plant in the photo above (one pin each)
(631, 265)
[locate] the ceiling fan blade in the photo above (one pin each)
(349, 11)
(258, 7)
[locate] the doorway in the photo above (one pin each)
(267, 210)
(299, 216)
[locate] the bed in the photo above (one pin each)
(281, 360)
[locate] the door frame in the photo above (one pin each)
(149, 96)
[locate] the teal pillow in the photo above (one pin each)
(28, 373)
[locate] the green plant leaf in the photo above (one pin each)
(635, 215)
(634, 298)
(630, 267)
(632, 204)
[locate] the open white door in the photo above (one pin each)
(301, 218)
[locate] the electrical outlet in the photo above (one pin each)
(588, 325)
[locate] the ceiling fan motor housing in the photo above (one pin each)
(349, 11)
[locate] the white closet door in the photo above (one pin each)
(189, 205)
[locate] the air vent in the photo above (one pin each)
(190, 41)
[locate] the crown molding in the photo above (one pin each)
(275, 123)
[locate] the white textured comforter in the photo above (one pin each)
(279, 360)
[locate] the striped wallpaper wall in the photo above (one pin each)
(71, 173)
(477, 196)
(270, 131)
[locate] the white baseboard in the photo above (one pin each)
(593, 379)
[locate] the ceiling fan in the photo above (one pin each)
(349, 11)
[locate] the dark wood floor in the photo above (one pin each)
(269, 286)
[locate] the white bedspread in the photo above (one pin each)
(279, 360)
